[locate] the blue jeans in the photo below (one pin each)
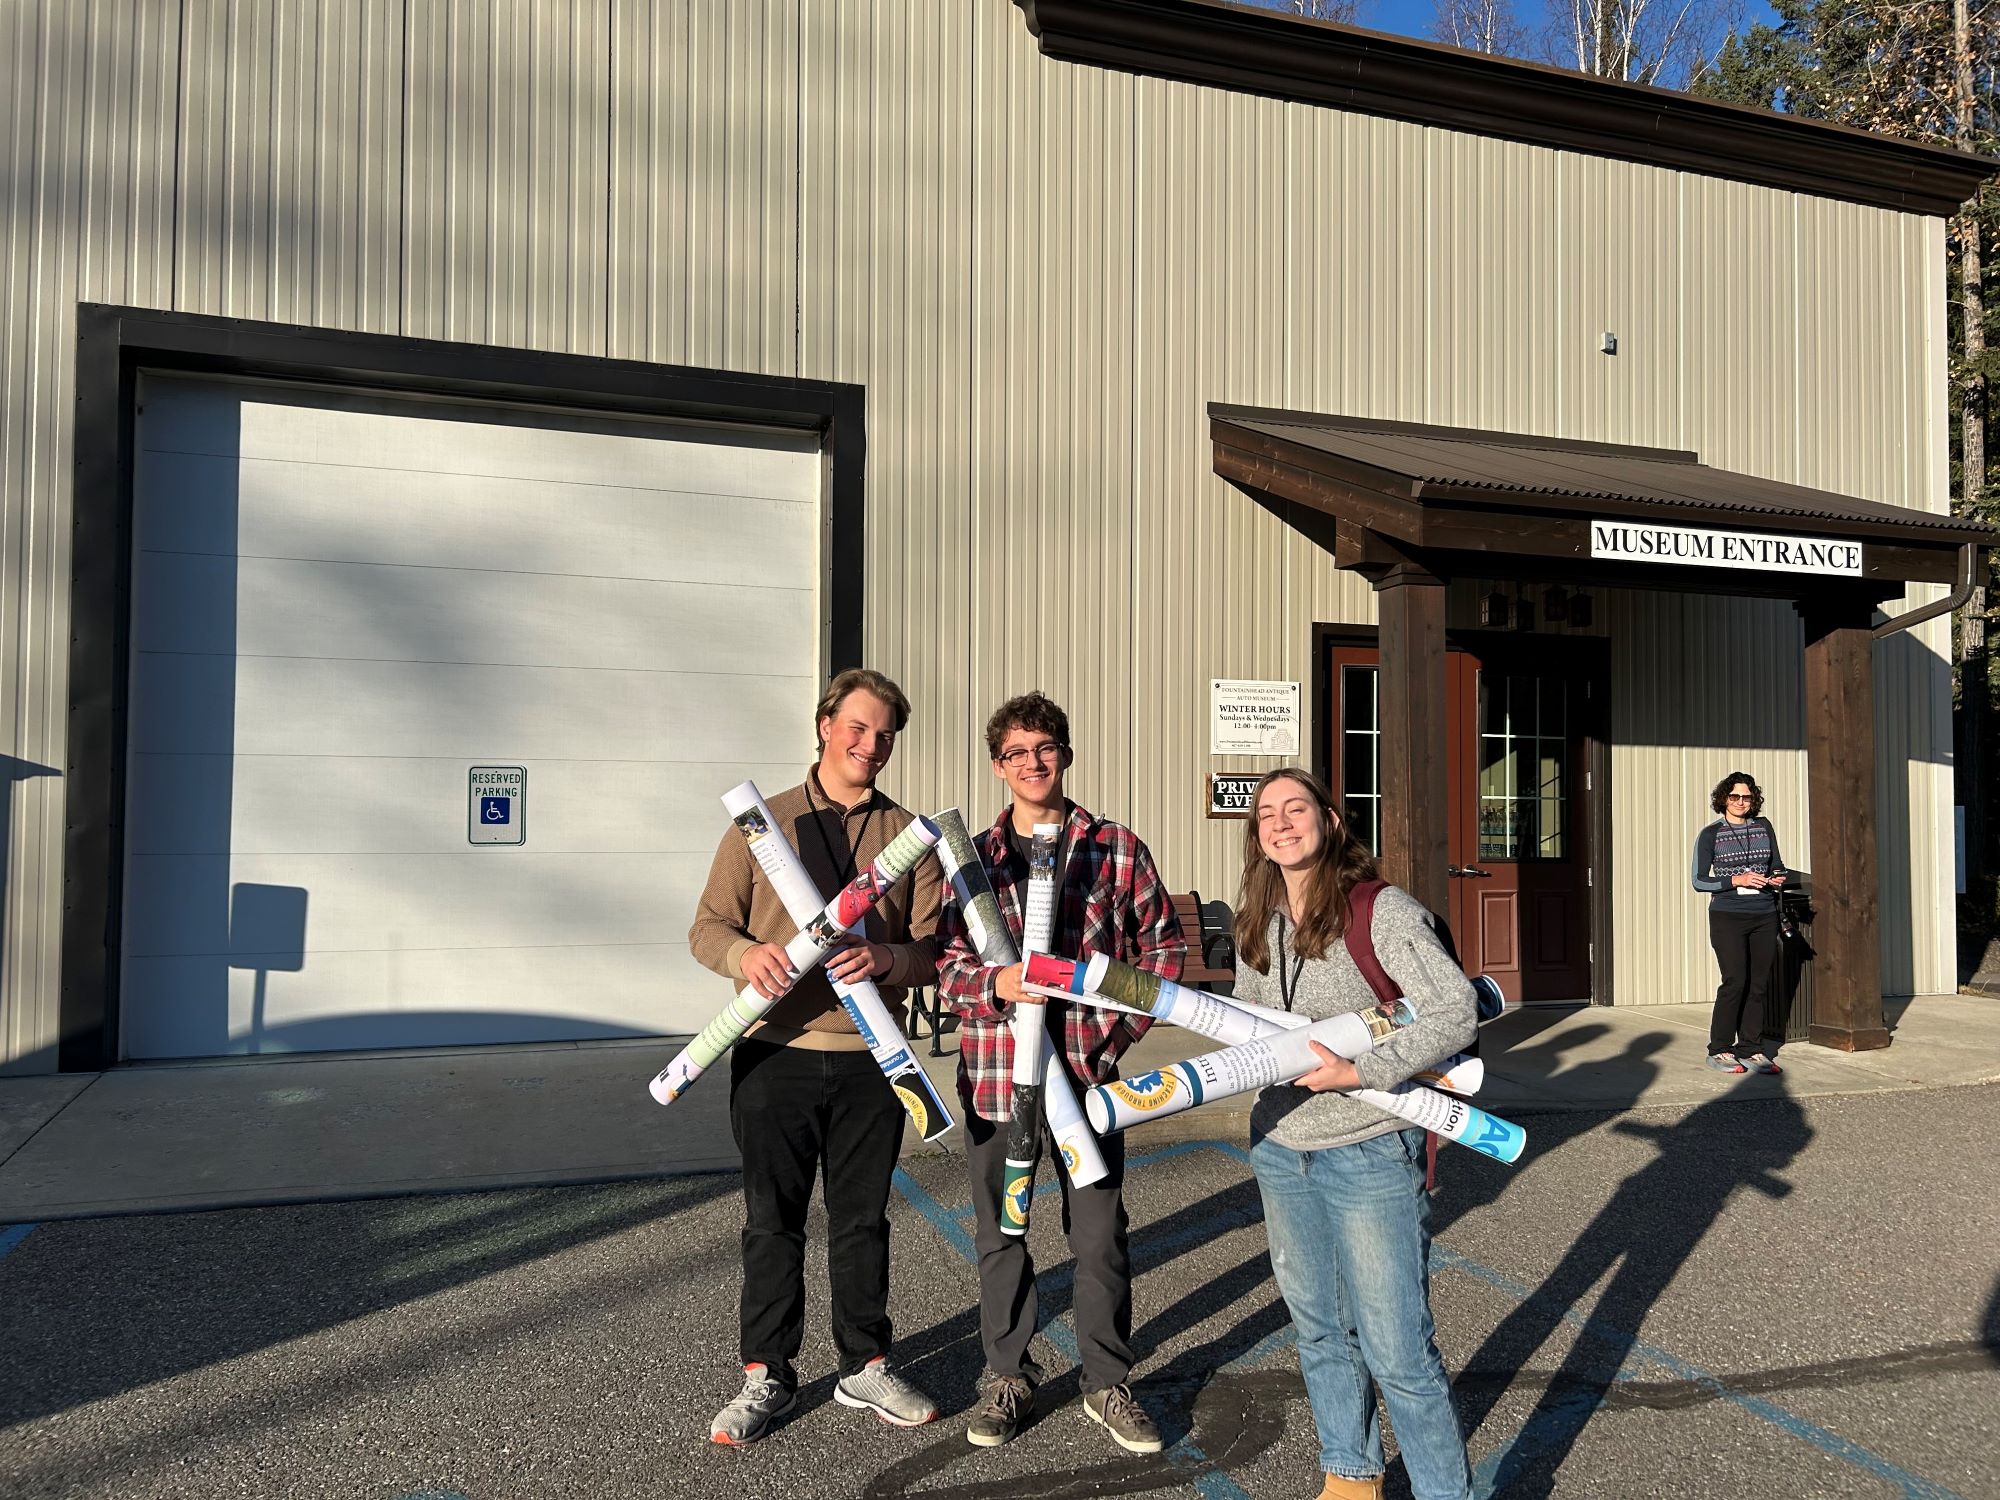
(1351, 1248)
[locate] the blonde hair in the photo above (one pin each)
(859, 679)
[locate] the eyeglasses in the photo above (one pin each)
(1740, 797)
(1019, 756)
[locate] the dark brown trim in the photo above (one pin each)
(114, 344)
(1257, 51)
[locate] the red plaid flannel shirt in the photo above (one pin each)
(1112, 901)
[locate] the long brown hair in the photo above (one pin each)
(1344, 863)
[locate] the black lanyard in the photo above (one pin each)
(1287, 983)
(853, 864)
(1746, 839)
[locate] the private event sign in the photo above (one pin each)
(1229, 793)
(1821, 557)
(1253, 718)
(497, 805)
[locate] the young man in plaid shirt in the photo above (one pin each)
(1109, 900)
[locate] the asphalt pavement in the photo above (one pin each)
(1754, 1294)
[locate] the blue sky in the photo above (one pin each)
(1413, 17)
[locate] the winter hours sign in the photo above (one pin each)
(1253, 718)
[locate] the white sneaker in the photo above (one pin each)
(757, 1406)
(881, 1390)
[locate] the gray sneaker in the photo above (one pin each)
(1758, 1062)
(1118, 1412)
(1009, 1399)
(757, 1406)
(881, 1390)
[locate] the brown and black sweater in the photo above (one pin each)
(739, 909)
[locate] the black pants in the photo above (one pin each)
(1094, 1222)
(797, 1115)
(1746, 946)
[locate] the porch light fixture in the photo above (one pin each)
(1555, 604)
(1493, 611)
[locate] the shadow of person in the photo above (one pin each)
(1468, 1181)
(1642, 1236)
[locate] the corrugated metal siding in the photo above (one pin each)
(1042, 273)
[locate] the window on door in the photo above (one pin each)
(1361, 755)
(1523, 766)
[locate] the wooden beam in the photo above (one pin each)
(1840, 785)
(1415, 754)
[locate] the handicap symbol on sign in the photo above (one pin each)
(494, 809)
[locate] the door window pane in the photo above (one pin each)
(1523, 766)
(1361, 754)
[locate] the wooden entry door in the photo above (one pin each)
(1518, 721)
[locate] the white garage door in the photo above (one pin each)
(343, 604)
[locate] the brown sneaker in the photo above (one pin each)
(1118, 1412)
(1340, 1487)
(1009, 1399)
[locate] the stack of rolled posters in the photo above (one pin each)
(860, 999)
(995, 945)
(1247, 1031)
(813, 942)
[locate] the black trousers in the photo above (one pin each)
(1746, 946)
(798, 1115)
(1094, 1222)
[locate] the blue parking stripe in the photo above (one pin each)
(11, 1235)
(1500, 1467)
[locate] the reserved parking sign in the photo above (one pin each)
(497, 805)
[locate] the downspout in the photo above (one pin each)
(1968, 574)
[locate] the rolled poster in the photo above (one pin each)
(811, 944)
(1285, 1058)
(1117, 986)
(995, 945)
(1029, 1028)
(861, 1000)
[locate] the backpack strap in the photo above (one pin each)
(1360, 940)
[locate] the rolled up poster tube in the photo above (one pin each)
(996, 947)
(1222, 1075)
(1285, 1058)
(1134, 990)
(861, 1000)
(1029, 1027)
(811, 944)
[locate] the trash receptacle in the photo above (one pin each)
(1794, 979)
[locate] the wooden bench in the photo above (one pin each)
(1209, 945)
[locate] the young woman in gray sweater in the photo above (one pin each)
(1342, 1182)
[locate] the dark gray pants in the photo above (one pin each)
(1094, 1222)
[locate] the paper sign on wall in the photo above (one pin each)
(1253, 718)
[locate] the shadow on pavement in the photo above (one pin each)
(172, 1294)
(1642, 1236)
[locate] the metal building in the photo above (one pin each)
(415, 412)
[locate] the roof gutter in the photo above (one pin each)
(1968, 579)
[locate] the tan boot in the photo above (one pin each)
(1339, 1488)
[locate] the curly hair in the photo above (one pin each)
(1719, 798)
(1343, 864)
(1028, 711)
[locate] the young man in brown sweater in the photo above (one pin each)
(804, 1091)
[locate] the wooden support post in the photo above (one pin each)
(1415, 791)
(1840, 781)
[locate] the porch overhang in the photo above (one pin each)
(1461, 501)
(1410, 506)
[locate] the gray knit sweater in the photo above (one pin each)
(1409, 951)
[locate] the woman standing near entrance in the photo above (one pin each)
(1342, 1182)
(1736, 861)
